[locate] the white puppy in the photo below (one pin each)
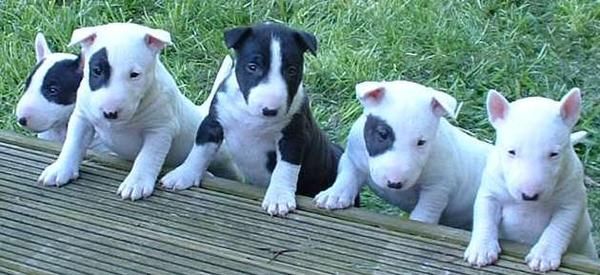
(132, 102)
(532, 189)
(50, 93)
(415, 159)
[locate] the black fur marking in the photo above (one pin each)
(61, 82)
(210, 131)
(271, 160)
(379, 136)
(99, 73)
(253, 59)
(28, 80)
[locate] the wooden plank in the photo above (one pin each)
(8, 266)
(456, 258)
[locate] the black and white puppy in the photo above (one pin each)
(263, 114)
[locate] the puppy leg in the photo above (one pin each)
(432, 202)
(208, 140)
(66, 167)
(484, 248)
(140, 181)
(345, 188)
(546, 254)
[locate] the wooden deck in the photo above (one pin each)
(84, 227)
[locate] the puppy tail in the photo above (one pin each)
(578, 137)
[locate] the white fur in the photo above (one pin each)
(251, 135)
(47, 119)
(156, 123)
(440, 178)
(558, 220)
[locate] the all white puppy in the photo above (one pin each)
(50, 93)
(411, 155)
(532, 189)
(128, 97)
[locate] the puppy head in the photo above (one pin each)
(269, 65)
(532, 136)
(50, 89)
(119, 69)
(402, 123)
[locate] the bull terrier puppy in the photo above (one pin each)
(410, 155)
(262, 112)
(50, 93)
(532, 188)
(129, 98)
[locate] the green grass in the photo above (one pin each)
(521, 48)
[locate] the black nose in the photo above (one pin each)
(111, 115)
(268, 112)
(394, 185)
(529, 198)
(22, 121)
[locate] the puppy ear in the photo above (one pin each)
(308, 42)
(443, 104)
(233, 37)
(157, 39)
(41, 47)
(570, 107)
(370, 93)
(84, 36)
(497, 107)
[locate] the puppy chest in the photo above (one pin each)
(524, 222)
(254, 155)
(125, 142)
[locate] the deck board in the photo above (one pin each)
(84, 228)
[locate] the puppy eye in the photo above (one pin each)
(421, 142)
(383, 133)
(251, 67)
(53, 90)
(134, 75)
(97, 71)
(553, 155)
(292, 71)
(512, 153)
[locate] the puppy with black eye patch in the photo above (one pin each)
(50, 93)
(410, 155)
(262, 113)
(132, 102)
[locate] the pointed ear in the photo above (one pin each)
(370, 93)
(443, 104)
(41, 47)
(570, 107)
(497, 107)
(233, 37)
(308, 42)
(84, 36)
(157, 39)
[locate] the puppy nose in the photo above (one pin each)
(22, 121)
(529, 198)
(394, 185)
(111, 115)
(268, 112)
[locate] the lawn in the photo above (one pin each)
(521, 48)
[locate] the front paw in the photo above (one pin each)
(543, 258)
(279, 202)
(182, 177)
(136, 187)
(59, 173)
(333, 198)
(482, 253)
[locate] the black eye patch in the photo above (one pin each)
(379, 136)
(99, 70)
(61, 82)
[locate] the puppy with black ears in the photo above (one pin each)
(262, 113)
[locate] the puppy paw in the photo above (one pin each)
(543, 259)
(58, 173)
(482, 253)
(279, 202)
(333, 198)
(136, 187)
(182, 177)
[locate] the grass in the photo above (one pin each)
(521, 48)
